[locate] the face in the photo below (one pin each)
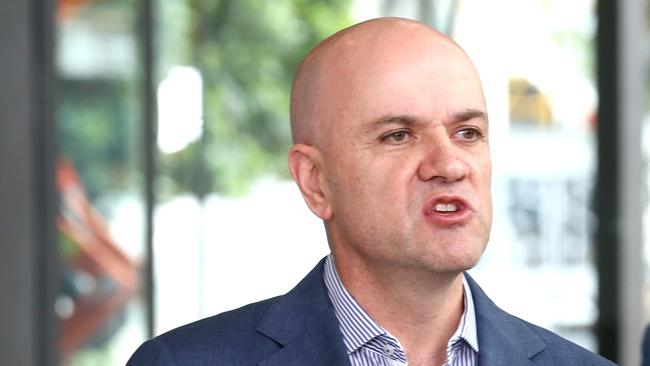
(406, 165)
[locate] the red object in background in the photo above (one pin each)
(67, 8)
(96, 254)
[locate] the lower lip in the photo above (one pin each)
(458, 217)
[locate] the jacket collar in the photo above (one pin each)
(502, 338)
(304, 323)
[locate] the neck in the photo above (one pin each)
(422, 309)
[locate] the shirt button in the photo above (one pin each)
(389, 350)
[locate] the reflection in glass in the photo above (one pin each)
(101, 206)
(645, 155)
(537, 69)
(226, 205)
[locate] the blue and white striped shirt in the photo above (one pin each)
(368, 344)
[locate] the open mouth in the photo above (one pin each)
(448, 210)
(446, 207)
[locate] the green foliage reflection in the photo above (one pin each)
(247, 51)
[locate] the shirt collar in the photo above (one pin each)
(467, 327)
(358, 328)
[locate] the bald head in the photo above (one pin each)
(329, 73)
(388, 120)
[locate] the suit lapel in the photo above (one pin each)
(502, 338)
(319, 345)
(304, 324)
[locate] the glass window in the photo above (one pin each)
(544, 163)
(227, 207)
(645, 145)
(536, 61)
(101, 219)
(537, 65)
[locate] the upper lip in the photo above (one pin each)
(459, 201)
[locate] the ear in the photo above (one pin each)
(305, 163)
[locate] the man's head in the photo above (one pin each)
(391, 149)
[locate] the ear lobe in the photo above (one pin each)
(305, 164)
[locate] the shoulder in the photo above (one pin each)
(228, 338)
(247, 335)
(503, 337)
(559, 349)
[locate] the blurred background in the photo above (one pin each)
(143, 174)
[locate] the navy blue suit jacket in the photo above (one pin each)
(300, 328)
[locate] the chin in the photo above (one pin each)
(457, 264)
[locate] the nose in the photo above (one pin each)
(442, 161)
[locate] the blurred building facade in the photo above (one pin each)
(143, 164)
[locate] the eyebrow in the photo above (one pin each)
(402, 119)
(469, 114)
(409, 120)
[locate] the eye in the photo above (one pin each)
(470, 134)
(396, 137)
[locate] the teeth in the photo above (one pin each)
(449, 207)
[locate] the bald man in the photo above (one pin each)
(391, 151)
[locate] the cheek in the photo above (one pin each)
(483, 185)
(367, 197)
(481, 169)
(394, 181)
(369, 181)
(348, 189)
(488, 177)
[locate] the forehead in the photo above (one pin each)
(412, 78)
